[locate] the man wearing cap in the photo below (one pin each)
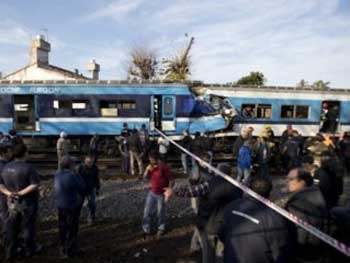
(62, 147)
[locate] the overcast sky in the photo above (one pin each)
(287, 40)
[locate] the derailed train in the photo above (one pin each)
(277, 107)
(43, 109)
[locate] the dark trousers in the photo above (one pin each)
(20, 231)
(91, 202)
(68, 224)
(264, 170)
(94, 155)
(346, 166)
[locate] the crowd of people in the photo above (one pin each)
(19, 197)
(230, 226)
(315, 168)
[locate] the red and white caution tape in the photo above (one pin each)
(306, 226)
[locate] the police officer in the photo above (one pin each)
(19, 182)
(5, 157)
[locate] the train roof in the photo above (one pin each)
(181, 84)
(273, 88)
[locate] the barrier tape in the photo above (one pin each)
(306, 226)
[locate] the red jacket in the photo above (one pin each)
(160, 177)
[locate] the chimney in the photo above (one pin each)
(94, 68)
(76, 71)
(39, 50)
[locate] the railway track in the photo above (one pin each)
(46, 162)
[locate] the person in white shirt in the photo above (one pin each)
(163, 145)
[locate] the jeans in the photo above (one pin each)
(154, 201)
(184, 161)
(243, 174)
(135, 156)
(208, 244)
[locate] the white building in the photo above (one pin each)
(39, 67)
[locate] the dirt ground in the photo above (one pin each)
(120, 241)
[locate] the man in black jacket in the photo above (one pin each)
(89, 173)
(253, 232)
(308, 204)
(214, 193)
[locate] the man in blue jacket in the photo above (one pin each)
(244, 162)
(68, 187)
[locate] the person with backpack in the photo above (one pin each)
(160, 178)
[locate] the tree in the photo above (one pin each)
(178, 68)
(143, 64)
(320, 84)
(254, 78)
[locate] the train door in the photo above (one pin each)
(156, 112)
(169, 113)
(163, 115)
(330, 111)
(24, 112)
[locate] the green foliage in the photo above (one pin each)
(321, 85)
(254, 78)
(178, 67)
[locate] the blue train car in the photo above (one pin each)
(45, 109)
(279, 106)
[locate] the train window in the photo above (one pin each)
(259, 111)
(248, 111)
(168, 106)
(302, 112)
(263, 111)
(21, 107)
(62, 104)
(62, 108)
(109, 108)
(294, 112)
(79, 105)
(287, 111)
(127, 104)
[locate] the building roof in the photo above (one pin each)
(64, 72)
